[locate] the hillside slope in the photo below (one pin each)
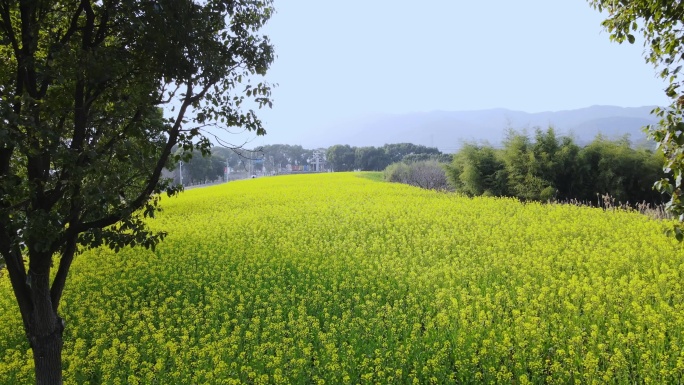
(447, 130)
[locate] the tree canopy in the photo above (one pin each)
(659, 22)
(549, 167)
(347, 158)
(341, 157)
(83, 139)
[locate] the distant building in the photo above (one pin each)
(318, 161)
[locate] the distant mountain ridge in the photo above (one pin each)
(448, 130)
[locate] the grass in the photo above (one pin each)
(376, 176)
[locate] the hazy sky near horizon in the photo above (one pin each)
(339, 61)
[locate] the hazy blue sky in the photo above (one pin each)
(338, 60)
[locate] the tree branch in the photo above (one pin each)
(7, 26)
(100, 34)
(89, 28)
(172, 94)
(17, 273)
(67, 257)
(200, 95)
(73, 27)
(144, 195)
(28, 45)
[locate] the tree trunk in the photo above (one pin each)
(47, 356)
(45, 331)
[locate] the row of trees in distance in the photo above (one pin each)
(539, 167)
(348, 158)
(267, 159)
(276, 158)
(271, 158)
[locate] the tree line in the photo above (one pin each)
(347, 158)
(541, 167)
(275, 158)
(548, 167)
(267, 159)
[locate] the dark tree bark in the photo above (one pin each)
(45, 327)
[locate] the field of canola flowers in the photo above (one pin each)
(337, 279)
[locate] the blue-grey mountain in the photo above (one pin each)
(448, 130)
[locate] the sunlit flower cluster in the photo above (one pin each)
(337, 279)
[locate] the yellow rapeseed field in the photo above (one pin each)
(337, 279)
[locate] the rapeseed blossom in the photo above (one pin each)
(336, 279)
